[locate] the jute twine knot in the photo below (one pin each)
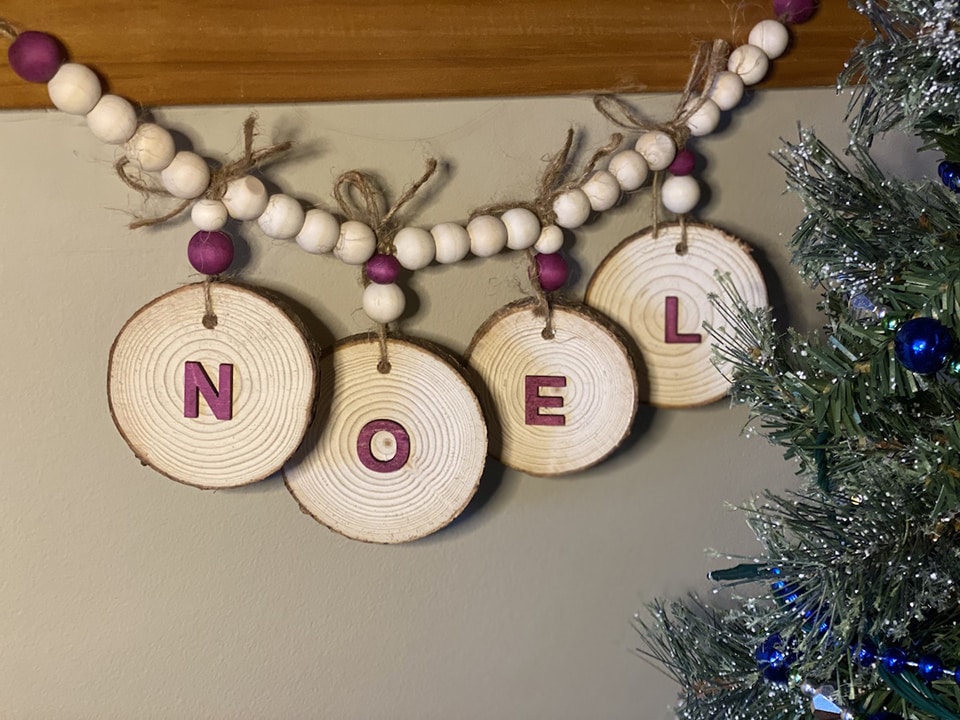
(360, 198)
(710, 59)
(554, 181)
(220, 178)
(371, 208)
(8, 30)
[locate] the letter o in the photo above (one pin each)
(365, 443)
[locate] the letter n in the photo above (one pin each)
(196, 382)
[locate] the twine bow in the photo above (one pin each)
(371, 211)
(220, 178)
(710, 59)
(554, 181)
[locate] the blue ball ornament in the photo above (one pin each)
(894, 660)
(923, 345)
(929, 668)
(950, 174)
(865, 654)
(773, 659)
(884, 715)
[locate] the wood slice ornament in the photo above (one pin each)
(657, 286)
(218, 406)
(556, 404)
(392, 456)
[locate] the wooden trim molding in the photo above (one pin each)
(172, 52)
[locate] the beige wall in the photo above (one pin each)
(123, 594)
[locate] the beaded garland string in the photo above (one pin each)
(368, 236)
(231, 192)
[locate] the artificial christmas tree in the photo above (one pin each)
(851, 610)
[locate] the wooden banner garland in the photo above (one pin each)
(212, 385)
(657, 286)
(555, 405)
(392, 456)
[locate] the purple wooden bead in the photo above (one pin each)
(552, 271)
(794, 11)
(35, 56)
(683, 164)
(382, 269)
(210, 252)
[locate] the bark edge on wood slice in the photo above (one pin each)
(661, 297)
(555, 405)
(391, 457)
(212, 407)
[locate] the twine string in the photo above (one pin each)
(709, 60)
(383, 364)
(683, 246)
(209, 316)
(554, 181)
(370, 211)
(220, 178)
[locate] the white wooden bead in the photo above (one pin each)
(75, 89)
(680, 194)
(356, 244)
(151, 147)
(602, 190)
(488, 235)
(383, 303)
(630, 169)
(187, 176)
(319, 233)
(282, 218)
(572, 208)
(550, 240)
(657, 148)
(452, 241)
(246, 198)
(414, 248)
(771, 36)
(706, 118)
(727, 90)
(750, 63)
(523, 228)
(113, 120)
(208, 214)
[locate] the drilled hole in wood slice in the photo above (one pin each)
(555, 405)
(213, 408)
(399, 455)
(661, 298)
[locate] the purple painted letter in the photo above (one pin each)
(670, 326)
(534, 400)
(401, 441)
(196, 382)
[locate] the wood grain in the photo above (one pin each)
(169, 52)
(391, 457)
(662, 299)
(272, 393)
(559, 405)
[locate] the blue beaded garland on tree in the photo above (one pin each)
(773, 659)
(894, 660)
(923, 345)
